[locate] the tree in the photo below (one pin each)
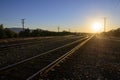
(9, 33)
(25, 33)
(35, 33)
(115, 32)
(2, 32)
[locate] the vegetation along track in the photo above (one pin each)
(23, 69)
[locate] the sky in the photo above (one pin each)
(76, 15)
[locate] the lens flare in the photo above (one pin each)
(96, 27)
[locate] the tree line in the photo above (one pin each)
(7, 33)
(40, 32)
(115, 32)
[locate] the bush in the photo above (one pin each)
(25, 33)
(115, 32)
(6, 33)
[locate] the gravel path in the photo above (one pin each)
(99, 59)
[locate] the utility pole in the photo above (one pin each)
(104, 24)
(69, 30)
(58, 28)
(23, 23)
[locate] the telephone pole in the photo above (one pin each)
(69, 30)
(58, 28)
(23, 23)
(104, 24)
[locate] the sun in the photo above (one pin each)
(96, 27)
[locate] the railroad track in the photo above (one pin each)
(43, 72)
(2, 46)
(28, 67)
(26, 43)
(15, 54)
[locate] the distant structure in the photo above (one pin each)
(23, 23)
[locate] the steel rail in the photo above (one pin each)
(49, 67)
(31, 58)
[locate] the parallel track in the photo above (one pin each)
(5, 71)
(25, 43)
(18, 44)
(15, 54)
(43, 72)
